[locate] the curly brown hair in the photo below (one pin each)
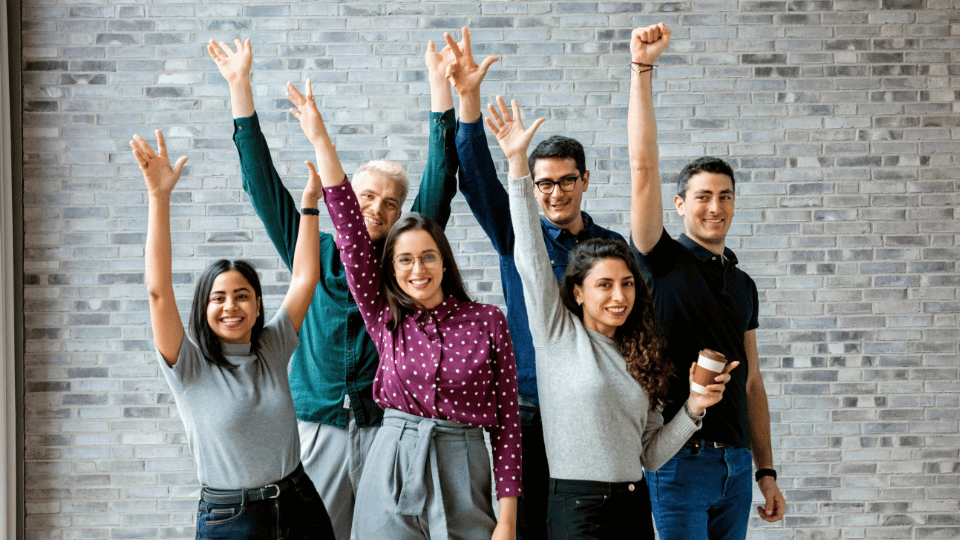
(639, 337)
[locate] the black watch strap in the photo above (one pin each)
(310, 211)
(765, 472)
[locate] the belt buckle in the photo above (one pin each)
(275, 495)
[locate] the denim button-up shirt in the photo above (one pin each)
(490, 204)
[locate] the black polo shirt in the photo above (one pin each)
(702, 303)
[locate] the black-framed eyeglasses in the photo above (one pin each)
(429, 260)
(566, 184)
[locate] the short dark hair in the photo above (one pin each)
(638, 338)
(400, 302)
(203, 335)
(708, 164)
(559, 146)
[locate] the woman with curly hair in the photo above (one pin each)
(601, 376)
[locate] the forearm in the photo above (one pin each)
(241, 97)
(470, 106)
(307, 252)
(158, 259)
(646, 206)
(507, 516)
(759, 419)
(328, 163)
(441, 97)
(481, 187)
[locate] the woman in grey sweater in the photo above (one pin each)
(600, 373)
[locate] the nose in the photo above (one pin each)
(376, 205)
(714, 205)
(617, 293)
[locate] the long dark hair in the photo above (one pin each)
(639, 337)
(206, 339)
(452, 284)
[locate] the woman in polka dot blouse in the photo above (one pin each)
(446, 369)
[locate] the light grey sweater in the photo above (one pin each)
(597, 420)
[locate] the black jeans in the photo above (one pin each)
(532, 507)
(587, 510)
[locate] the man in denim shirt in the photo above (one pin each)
(561, 177)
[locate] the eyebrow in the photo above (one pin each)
(225, 292)
(424, 252)
(372, 192)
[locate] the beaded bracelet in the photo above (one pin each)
(641, 64)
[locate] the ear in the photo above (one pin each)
(578, 294)
(586, 180)
(678, 202)
(259, 300)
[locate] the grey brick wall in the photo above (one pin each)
(840, 116)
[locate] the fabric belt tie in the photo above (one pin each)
(413, 493)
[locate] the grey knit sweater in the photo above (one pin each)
(597, 420)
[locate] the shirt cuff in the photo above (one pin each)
(446, 119)
(520, 187)
(246, 126)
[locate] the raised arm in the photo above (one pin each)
(549, 319)
(356, 248)
(479, 181)
(306, 272)
(160, 178)
(646, 204)
(235, 65)
(438, 185)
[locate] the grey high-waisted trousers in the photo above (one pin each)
(425, 478)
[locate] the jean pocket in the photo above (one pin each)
(212, 515)
(307, 491)
(586, 503)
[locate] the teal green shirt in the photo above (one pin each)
(334, 367)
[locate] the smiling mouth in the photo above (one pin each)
(617, 311)
(232, 321)
(372, 221)
(419, 283)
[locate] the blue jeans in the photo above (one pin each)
(703, 493)
(298, 513)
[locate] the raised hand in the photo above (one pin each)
(513, 137)
(647, 43)
(700, 402)
(159, 176)
(438, 63)
(305, 110)
(464, 73)
(234, 65)
(313, 192)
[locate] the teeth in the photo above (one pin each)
(419, 282)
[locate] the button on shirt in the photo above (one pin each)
(453, 362)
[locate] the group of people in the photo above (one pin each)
(357, 410)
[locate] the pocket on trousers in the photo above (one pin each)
(307, 491)
(213, 516)
(586, 503)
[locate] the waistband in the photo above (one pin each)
(407, 421)
(705, 443)
(239, 496)
(595, 487)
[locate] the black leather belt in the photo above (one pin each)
(237, 496)
(704, 443)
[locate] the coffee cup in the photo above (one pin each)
(710, 364)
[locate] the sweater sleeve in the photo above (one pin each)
(505, 438)
(549, 319)
(661, 442)
(356, 252)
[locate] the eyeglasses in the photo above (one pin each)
(429, 260)
(566, 184)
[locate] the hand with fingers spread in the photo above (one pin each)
(700, 402)
(311, 122)
(234, 65)
(305, 110)
(647, 43)
(513, 137)
(159, 176)
(465, 74)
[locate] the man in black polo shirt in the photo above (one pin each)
(703, 301)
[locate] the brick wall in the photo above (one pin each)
(840, 116)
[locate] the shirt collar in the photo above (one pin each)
(703, 253)
(441, 312)
(555, 230)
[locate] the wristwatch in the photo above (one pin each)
(765, 472)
